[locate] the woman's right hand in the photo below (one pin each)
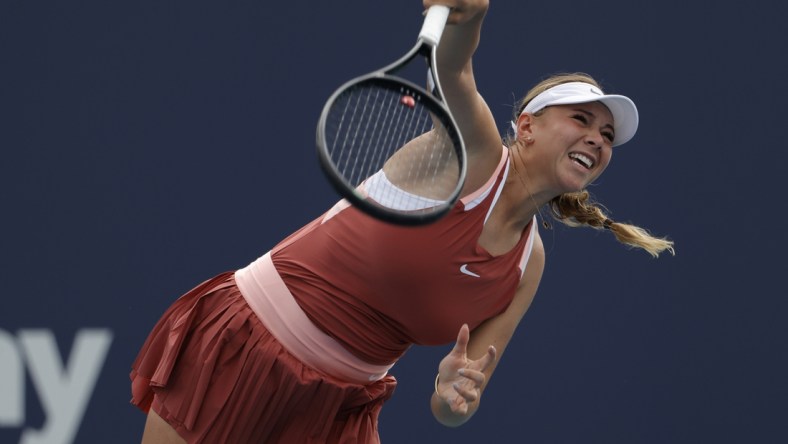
(461, 10)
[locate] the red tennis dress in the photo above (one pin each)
(295, 348)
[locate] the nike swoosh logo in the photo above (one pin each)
(464, 270)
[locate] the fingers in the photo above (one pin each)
(461, 10)
(488, 358)
(468, 390)
(460, 350)
(477, 377)
(461, 380)
(468, 393)
(459, 406)
(463, 337)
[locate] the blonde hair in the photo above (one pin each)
(578, 209)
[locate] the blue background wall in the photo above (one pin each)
(147, 146)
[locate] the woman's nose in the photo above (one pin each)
(595, 139)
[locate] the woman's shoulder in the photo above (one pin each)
(483, 172)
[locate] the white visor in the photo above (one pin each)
(624, 111)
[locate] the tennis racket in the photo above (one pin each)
(389, 146)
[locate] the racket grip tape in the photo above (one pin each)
(434, 23)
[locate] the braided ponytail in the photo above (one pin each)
(577, 209)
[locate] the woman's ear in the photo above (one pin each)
(523, 126)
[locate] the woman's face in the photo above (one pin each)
(578, 140)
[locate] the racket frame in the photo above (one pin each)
(426, 47)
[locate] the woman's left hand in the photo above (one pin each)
(460, 380)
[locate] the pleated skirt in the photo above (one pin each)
(213, 371)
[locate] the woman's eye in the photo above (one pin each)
(609, 136)
(581, 118)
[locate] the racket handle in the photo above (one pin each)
(434, 23)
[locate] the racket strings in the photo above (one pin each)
(369, 127)
(390, 136)
(425, 165)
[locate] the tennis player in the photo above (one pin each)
(297, 346)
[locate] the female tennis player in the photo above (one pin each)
(297, 346)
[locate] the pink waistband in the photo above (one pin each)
(272, 302)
